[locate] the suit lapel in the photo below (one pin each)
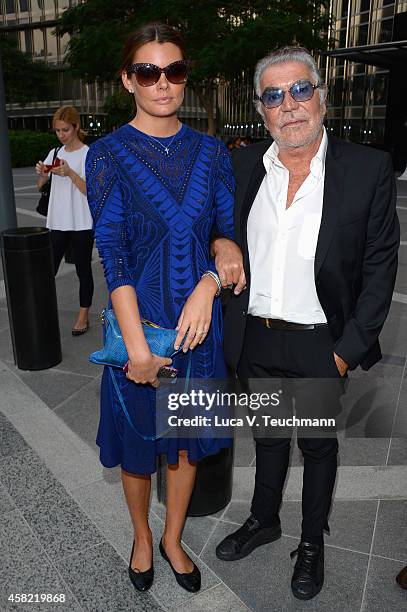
(253, 187)
(255, 181)
(333, 194)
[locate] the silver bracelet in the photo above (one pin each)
(216, 279)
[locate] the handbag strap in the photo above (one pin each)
(123, 405)
(56, 151)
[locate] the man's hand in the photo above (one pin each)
(229, 263)
(341, 365)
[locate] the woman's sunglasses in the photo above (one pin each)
(301, 91)
(150, 74)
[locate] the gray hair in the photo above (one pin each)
(281, 56)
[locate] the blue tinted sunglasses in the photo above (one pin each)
(301, 91)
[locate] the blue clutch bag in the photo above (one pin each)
(114, 353)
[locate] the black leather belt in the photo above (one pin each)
(287, 325)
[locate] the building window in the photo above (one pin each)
(28, 41)
(358, 90)
(337, 94)
(10, 7)
(63, 42)
(345, 7)
(52, 50)
(39, 47)
(49, 8)
(363, 34)
(342, 38)
(379, 89)
(386, 30)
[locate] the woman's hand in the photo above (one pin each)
(144, 370)
(41, 170)
(64, 169)
(196, 315)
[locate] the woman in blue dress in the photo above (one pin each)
(156, 188)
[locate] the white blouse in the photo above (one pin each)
(68, 208)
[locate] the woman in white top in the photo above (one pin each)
(69, 217)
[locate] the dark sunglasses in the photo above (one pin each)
(301, 91)
(150, 74)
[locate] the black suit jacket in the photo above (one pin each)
(356, 255)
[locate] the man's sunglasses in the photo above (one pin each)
(301, 91)
(150, 74)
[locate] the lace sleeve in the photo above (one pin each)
(109, 217)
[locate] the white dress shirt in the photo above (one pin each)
(282, 242)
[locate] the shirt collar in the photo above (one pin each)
(317, 166)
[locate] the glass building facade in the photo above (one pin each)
(358, 92)
(358, 104)
(32, 23)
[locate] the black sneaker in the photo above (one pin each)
(308, 576)
(248, 537)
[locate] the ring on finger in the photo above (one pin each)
(201, 333)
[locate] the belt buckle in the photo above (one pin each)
(268, 323)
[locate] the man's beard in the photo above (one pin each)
(304, 141)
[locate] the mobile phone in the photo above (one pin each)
(163, 372)
(167, 372)
(56, 164)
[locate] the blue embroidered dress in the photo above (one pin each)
(153, 215)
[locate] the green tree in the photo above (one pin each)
(119, 108)
(24, 79)
(223, 38)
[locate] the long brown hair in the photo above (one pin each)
(69, 114)
(158, 32)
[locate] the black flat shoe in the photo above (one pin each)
(308, 576)
(141, 580)
(249, 536)
(79, 331)
(191, 581)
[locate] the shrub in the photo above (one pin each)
(28, 147)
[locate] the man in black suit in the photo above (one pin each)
(316, 222)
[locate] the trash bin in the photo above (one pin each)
(213, 484)
(31, 297)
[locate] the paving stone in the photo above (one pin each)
(35, 577)
(18, 544)
(99, 579)
(390, 538)
(218, 599)
(53, 386)
(383, 594)
(262, 580)
(11, 442)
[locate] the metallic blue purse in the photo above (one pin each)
(114, 353)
